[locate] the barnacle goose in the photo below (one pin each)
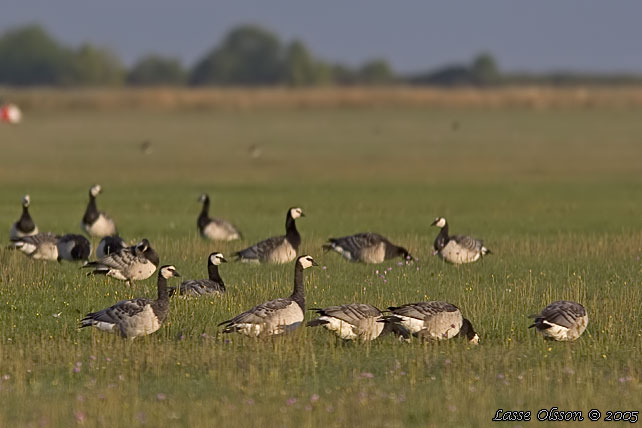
(73, 248)
(108, 245)
(562, 320)
(366, 248)
(457, 249)
(43, 246)
(136, 317)
(215, 229)
(278, 249)
(354, 321)
(275, 316)
(94, 222)
(432, 320)
(129, 264)
(198, 287)
(25, 225)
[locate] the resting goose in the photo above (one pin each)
(562, 320)
(215, 229)
(42, 246)
(354, 321)
(108, 245)
(366, 248)
(275, 316)
(136, 317)
(73, 248)
(199, 287)
(25, 225)
(129, 264)
(432, 320)
(94, 222)
(457, 249)
(278, 249)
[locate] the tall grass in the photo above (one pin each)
(555, 195)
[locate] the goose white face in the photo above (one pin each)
(307, 261)
(217, 259)
(202, 198)
(296, 212)
(95, 190)
(169, 272)
(440, 222)
(143, 245)
(26, 200)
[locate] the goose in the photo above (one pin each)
(562, 320)
(354, 321)
(108, 245)
(366, 248)
(25, 225)
(73, 248)
(275, 316)
(94, 222)
(136, 317)
(277, 249)
(198, 287)
(129, 264)
(42, 246)
(432, 320)
(215, 229)
(457, 249)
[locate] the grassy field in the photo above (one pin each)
(556, 194)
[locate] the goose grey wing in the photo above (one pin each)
(117, 313)
(199, 287)
(351, 313)
(468, 242)
(118, 260)
(260, 250)
(38, 239)
(423, 310)
(563, 313)
(260, 313)
(355, 243)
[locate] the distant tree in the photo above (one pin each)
(30, 56)
(95, 66)
(376, 72)
(484, 70)
(156, 70)
(343, 75)
(249, 55)
(301, 69)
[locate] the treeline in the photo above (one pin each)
(247, 56)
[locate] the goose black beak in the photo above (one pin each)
(314, 263)
(434, 222)
(302, 215)
(223, 260)
(176, 274)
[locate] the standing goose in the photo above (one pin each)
(73, 248)
(354, 321)
(42, 246)
(199, 287)
(136, 317)
(129, 264)
(275, 316)
(278, 249)
(25, 225)
(108, 245)
(432, 320)
(457, 249)
(562, 320)
(215, 229)
(366, 248)
(94, 222)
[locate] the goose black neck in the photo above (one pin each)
(26, 223)
(151, 255)
(442, 238)
(298, 294)
(91, 213)
(212, 271)
(203, 217)
(163, 294)
(291, 234)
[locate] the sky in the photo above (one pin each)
(413, 35)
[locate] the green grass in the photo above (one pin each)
(556, 195)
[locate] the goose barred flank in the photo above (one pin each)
(457, 249)
(366, 248)
(215, 229)
(562, 320)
